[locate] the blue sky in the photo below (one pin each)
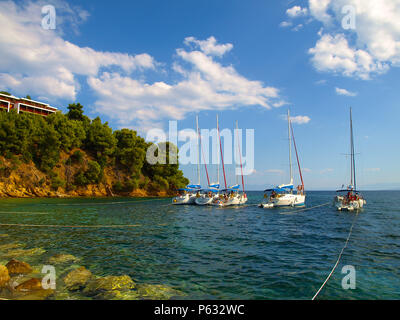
(138, 64)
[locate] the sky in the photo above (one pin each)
(140, 64)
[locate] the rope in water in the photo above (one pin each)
(305, 209)
(64, 226)
(337, 262)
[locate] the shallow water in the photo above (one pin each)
(220, 253)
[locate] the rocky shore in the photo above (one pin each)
(19, 280)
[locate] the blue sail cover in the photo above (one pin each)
(193, 186)
(210, 190)
(233, 188)
(214, 186)
(281, 189)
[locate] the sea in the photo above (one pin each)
(205, 252)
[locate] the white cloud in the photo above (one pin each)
(205, 85)
(296, 11)
(40, 62)
(298, 27)
(210, 46)
(333, 54)
(344, 92)
(296, 119)
(285, 24)
(370, 49)
(275, 171)
(327, 170)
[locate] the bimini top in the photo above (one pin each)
(210, 190)
(281, 188)
(193, 186)
(233, 188)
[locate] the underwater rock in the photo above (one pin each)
(157, 291)
(4, 276)
(30, 285)
(9, 246)
(77, 279)
(18, 267)
(109, 283)
(40, 294)
(62, 258)
(117, 295)
(24, 252)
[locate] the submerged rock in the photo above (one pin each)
(30, 285)
(62, 258)
(77, 279)
(157, 292)
(118, 295)
(18, 267)
(24, 252)
(109, 283)
(9, 246)
(4, 276)
(40, 294)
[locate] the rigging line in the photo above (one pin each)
(204, 159)
(240, 154)
(337, 262)
(222, 156)
(297, 156)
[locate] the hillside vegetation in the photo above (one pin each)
(71, 155)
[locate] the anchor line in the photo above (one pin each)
(338, 260)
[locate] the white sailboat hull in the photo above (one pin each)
(184, 199)
(341, 204)
(203, 201)
(286, 200)
(237, 200)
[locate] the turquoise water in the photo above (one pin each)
(220, 253)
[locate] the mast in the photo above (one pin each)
(353, 162)
(240, 154)
(290, 149)
(204, 160)
(198, 150)
(222, 156)
(219, 160)
(297, 157)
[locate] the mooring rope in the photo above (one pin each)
(337, 262)
(65, 226)
(104, 203)
(305, 209)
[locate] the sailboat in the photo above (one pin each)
(189, 194)
(350, 199)
(231, 195)
(212, 192)
(283, 195)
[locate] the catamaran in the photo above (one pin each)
(350, 199)
(189, 194)
(231, 195)
(282, 195)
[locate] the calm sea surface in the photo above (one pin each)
(220, 253)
